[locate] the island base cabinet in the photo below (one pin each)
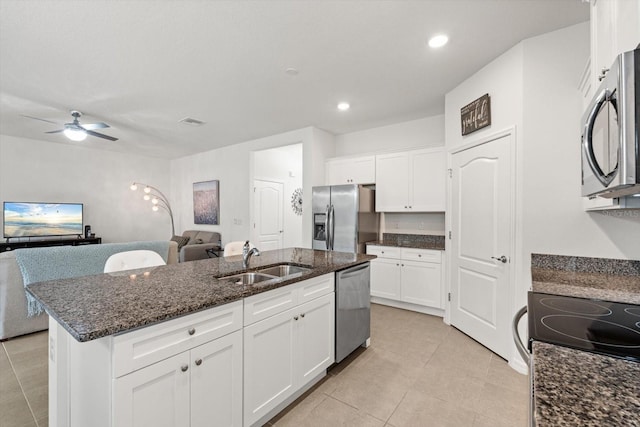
(157, 395)
(285, 352)
(197, 388)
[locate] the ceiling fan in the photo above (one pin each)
(77, 132)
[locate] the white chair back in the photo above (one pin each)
(130, 260)
(235, 248)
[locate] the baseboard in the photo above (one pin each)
(518, 365)
(409, 306)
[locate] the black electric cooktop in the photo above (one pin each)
(603, 327)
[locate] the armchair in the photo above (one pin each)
(199, 242)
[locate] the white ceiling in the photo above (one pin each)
(143, 65)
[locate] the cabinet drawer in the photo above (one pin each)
(266, 304)
(425, 255)
(137, 349)
(384, 251)
(316, 287)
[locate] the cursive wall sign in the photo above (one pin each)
(476, 114)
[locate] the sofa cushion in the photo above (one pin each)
(180, 240)
(199, 237)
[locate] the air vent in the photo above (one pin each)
(192, 122)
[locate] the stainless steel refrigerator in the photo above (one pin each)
(344, 218)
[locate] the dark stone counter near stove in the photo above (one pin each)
(415, 241)
(92, 307)
(573, 387)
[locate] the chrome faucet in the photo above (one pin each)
(246, 254)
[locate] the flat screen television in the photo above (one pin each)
(28, 219)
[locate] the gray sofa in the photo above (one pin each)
(198, 243)
(13, 302)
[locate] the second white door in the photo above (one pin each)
(481, 227)
(268, 226)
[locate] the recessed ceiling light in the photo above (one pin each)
(343, 106)
(438, 41)
(291, 71)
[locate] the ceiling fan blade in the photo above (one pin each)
(92, 126)
(100, 135)
(55, 131)
(42, 120)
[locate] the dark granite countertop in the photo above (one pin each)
(577, 388)
(414, 241)
(92, 307)
(573, 387)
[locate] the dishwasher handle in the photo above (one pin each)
(516, 335)
(353, 271)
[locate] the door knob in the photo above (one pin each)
(503, 259)
(198, 362)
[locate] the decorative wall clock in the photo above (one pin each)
(296, 201)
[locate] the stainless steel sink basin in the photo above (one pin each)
(248, 278)
(284, 270)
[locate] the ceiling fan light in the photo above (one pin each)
(75, 134)
(133, 187)
(154, 208)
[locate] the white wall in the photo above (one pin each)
(554, 220)
(413, 223)
(421, 133)
(233, 166)
(41, 171)
(283, 164)
(502, 80)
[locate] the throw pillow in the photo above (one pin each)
(180, 240)
(198, 242)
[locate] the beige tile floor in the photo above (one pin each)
(417, 372)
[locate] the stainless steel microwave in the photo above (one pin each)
(610, 140)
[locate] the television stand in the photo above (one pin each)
(9, 246)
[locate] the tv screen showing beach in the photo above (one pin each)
(42, 219)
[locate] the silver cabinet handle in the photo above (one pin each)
(419, 255)
(503, 259)
(295, 317)
(302, 315)
(184, 368)
(192, 331)
(198, 362)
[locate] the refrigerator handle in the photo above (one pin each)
(332, 225)
(327, 233)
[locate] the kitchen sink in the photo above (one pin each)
(248, 278)
(284, 270)
(281, 271)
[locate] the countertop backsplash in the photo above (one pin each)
(426, 241)
(596, 278)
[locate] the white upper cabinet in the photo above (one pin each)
(615, 28)
(411, 181)
(352, 170)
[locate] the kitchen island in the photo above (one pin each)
(576, 387)
(185, 345)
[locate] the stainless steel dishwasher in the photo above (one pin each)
(353, 309)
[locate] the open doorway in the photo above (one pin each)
(279, 167)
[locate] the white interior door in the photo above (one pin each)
(268, 226)
(481, 226)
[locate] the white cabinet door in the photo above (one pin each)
(269, 352)
(421, 283)
(157, 395)
(615, 28)
(357, 170)
(392, 182)
(385, 278)
(412, 181)
(216, 382)
(315, 337)
(428, 181)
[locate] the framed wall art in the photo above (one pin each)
(206, 202)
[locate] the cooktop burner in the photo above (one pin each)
(598, 326)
